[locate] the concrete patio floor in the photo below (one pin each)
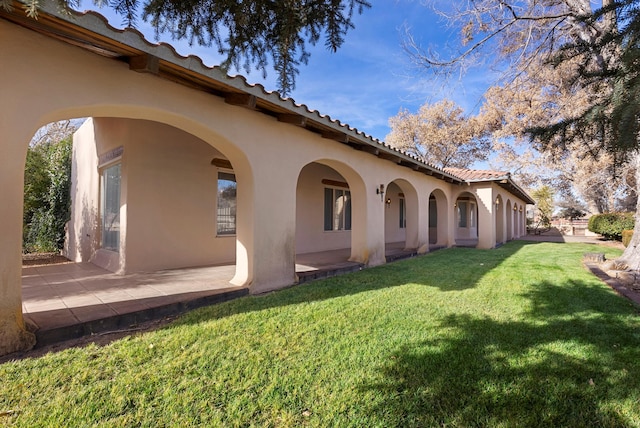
(70, 300)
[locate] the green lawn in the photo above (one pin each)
(518, 336)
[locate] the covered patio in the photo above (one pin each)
(68, 300)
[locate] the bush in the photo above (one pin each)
(611, 225)
(626, 237)
(47, 198)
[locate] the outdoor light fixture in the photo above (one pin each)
(515, 208)
(380, 191)
(497, 201)
(520, 209)
(389, 201)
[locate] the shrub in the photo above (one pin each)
(626, 237)
(611, 225)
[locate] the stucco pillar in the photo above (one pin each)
(452, 222)
(368, 226)
(13, 147)
(422, 222)
(266, 227)
(486, 218)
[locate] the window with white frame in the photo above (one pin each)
(110, 208)
(403, 213)
(226, 209)
(337, 209)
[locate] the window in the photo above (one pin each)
(110, 208)
(226, 215)
(462, 214)
(403, 214)
(337, 209)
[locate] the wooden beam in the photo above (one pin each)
(241, 100)
(293, 119)
(369, 149)
(340, 137)
(145, 63)
(414, 166)
(221, 163)
(390, 157)
(335, 183)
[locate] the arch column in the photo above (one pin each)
(368, 226)
(486, 218)
(266, 228)
(13, 335)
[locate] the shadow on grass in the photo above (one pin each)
(571, 361)
(453, 269)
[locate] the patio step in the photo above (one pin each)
(132, 319)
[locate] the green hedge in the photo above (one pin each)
(611, 225)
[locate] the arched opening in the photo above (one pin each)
(329, 202)
(400, 219)
(145, 197)
(466, 227)
(500, 220)
(161, 198)
(438, 219)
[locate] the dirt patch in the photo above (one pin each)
(43, 259)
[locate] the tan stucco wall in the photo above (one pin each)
(392, 230)
(168, 203)
(310, 233)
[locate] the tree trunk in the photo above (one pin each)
(631, 255)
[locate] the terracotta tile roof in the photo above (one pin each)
(477, 175)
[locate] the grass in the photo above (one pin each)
(518, 336)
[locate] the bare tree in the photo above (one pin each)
(440, 134)
(578, 64)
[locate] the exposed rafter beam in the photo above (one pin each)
(293, 119)
(145, 63)
(390, 157)
(366, 148)
(242, 100)
(340, 137)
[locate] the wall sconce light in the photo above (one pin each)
(455, 205)
(388, 202)
(515, 208)
(497, 201)
(520, 209)
(380, 191)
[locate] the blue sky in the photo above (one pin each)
(370, 78)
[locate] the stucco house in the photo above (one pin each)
(181, 165)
